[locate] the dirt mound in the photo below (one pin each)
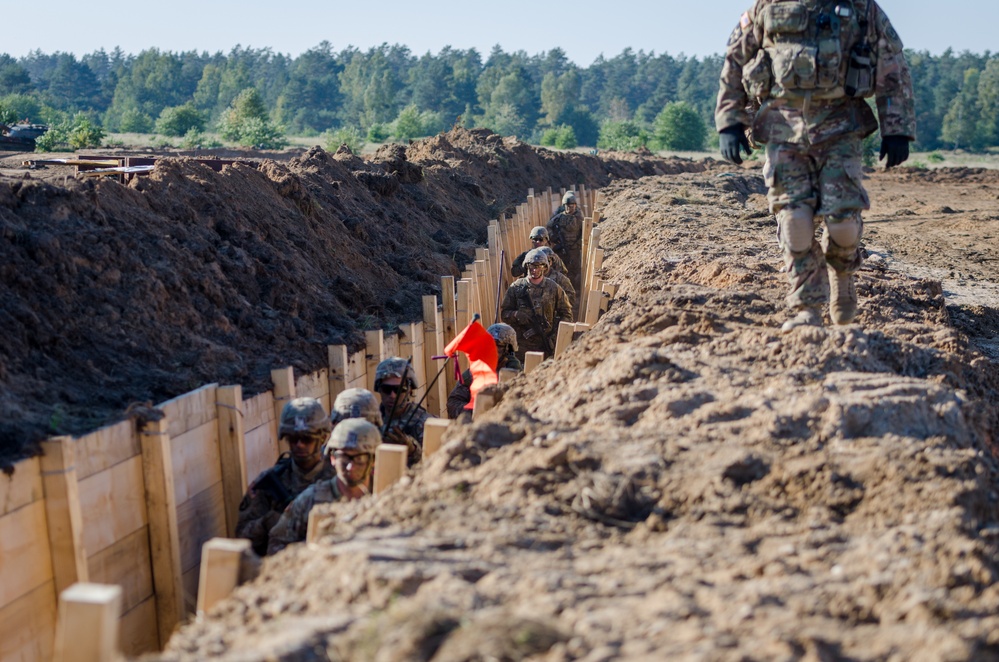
(112, 294)
(686, 483)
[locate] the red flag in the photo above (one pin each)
(480, 348)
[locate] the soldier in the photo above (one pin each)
(556, 275)
(305, 426)
(810, 64)
(352, 459)
(506, 346)
(539, 238)
(357, 403)
(534, 306)
(566, 231)
(395, 381)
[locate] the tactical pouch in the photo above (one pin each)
(757, 76)
(859, 72)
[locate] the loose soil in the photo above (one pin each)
(684, 483)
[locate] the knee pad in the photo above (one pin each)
(844, 230)
(796, 229)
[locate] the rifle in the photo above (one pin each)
(536, 322)
(399, 390)
(279, 493)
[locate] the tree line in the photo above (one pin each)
(256, 96)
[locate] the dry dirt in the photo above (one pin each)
(686, 483)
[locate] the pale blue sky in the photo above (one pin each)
(584, 28)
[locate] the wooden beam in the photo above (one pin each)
(232, 452)
(221, 560)
(337, 356)
(433, 345)
(507, 375)
(450, 318)
(564, 339)
(483, 403)
(593, 307)
(161, 507)
(532, 360)
(87, 630)
(284, 390)
(433, 433)
(62, 510)
(390, 465)
(312, 532)
(374, 352)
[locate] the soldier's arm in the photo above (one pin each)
(517, 269)
(743, 45)
(256, 517)
(293, 524)
(509, 307)
(459, 396)
(563, 309)
(892, 82)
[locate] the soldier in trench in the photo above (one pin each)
(506, 348)
(395, 382)
(566, 231)
(534, 306)
(539, 239)
(808, 66)
(351, 457)
(305, 427)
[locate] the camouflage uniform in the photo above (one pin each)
(294, 522)
(260, 509)
(793, 60)
(549, 301)
(461, 394)
(566, 231)
(413, 430)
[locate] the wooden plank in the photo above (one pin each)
(196, 463)
(189, 583)
(22, 487)
(433, 433)
(312, 527)
(190, 410)
(564, 338)
(532, 360)
(87, 630)
(390, 466)
(507, 375)
(105, 448)
(199, 519)
(261, 451)
(464, 305)
(62, 511)
(125, 563)
(337, 355)
(258, 410)
(139, 633)
(24, 552)
(483, 403)
(433, 345)
(232, 452)
(482, 286)
(374, 352)
(283, 380)
(358, 364)
(315, 385)
(164, 540)
(27, 626)
(593, 307)
(450, 319)
(411, 347)
(113, 505)
(221, 559)
(391, 346)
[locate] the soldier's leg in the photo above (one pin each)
(842, 199)
(788, 174)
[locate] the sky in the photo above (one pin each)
(584, 29)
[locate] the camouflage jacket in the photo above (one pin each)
(547, 301)
(261, 507)
(518, 270)
(566, 231)
(566, 284)
(793, 60)
(294, 522)
(461, 394)
(411, 430)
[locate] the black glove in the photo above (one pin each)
(730, 140)
(896, 148)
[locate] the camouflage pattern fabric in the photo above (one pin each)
(461, 394)
(566, 231)
(409, 434)
(260, 509)
(564, 283)
(293, 525)
(550, 303)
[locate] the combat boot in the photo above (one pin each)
(842, 297)
(807, 316)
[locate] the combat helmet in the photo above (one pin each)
(395, 366)
(355, 434)
(503, 334)
(357, 403)
(570, 196)
(535, 256)
(539, 232)
(304, 416)
(550, 254)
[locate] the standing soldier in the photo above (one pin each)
(395, 381)
(534, 306)
(539, 238)
(557, 274)
(566, 231)
(305, 426)
(351, 460)
(809, 64)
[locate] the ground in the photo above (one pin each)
(685, 483)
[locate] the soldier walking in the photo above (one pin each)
(534, 306)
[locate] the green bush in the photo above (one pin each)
(246, 123)
(935, 157)
(17, 107)
(345, 135)
(196, 139)
(79, 133)
(622, 136)
(412, 124)
(562, 137)
(679, 128)
(178, 120)
(378, 133)
(134, 120)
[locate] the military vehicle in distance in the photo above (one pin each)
(20, 137)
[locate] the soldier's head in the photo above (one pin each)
(540, 236)
(352, 450)
(505, 337)
(356, 403)
(550, 254)
(394, 379)
(569, 201)
(536, 265)
(305, 426)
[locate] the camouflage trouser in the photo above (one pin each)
(811, 185)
